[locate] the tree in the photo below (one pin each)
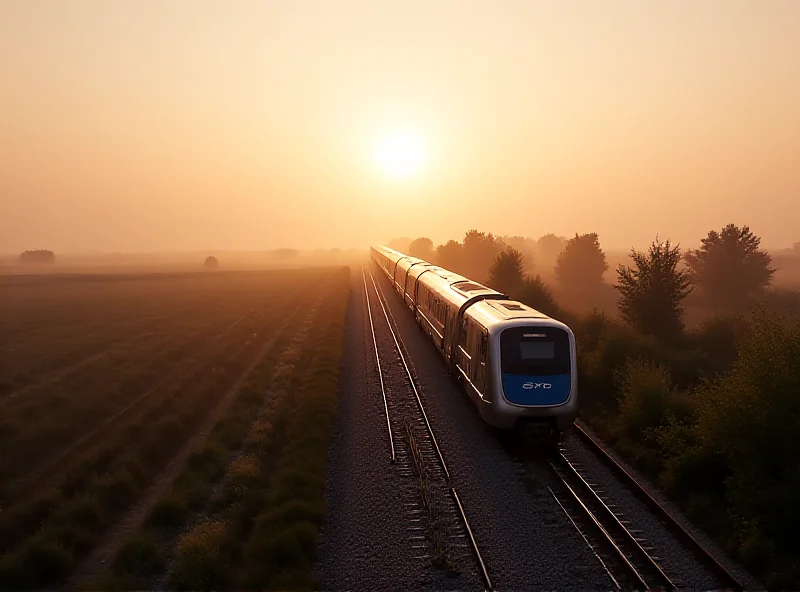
(536, 294)
(506, 273)
(450, 255)
(651, 293)
(581, 265)
(480, 249)
(729, 268)
(400, 244)
(37, 256)
(211, 263)
(548, 248)
(422, 248)
(524, 246)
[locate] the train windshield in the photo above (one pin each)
(534, 351)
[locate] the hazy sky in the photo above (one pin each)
(165, 125)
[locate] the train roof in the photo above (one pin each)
(505, 310)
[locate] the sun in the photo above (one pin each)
(400, 155)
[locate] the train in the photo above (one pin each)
(516, 364)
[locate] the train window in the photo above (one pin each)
(535, 351)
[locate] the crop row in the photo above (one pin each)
(44, 537)
(245, 510)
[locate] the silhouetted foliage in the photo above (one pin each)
(211, 263)
(525, 246)
(652, 292)
(548, 248)
(37, 256)
(581, 265)
(422, 248)
(400, 244)
(729, 268)
(450, 255)
(480, 250)
(505, 274)
(536, 294)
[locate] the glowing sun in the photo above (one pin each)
(400, 155)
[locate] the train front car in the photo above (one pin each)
(532, 382)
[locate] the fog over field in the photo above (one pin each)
(131, 127)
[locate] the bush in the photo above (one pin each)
(199, 563)
(647, 400)
(139, 556)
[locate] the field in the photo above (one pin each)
(151, 425)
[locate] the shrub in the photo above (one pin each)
(199, 563)
(139, 556)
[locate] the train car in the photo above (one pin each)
(515, 363)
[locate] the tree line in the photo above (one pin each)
(709, 413)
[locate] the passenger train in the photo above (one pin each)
(516, 364)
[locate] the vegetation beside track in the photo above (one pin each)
(243, 528)
(281, 548)
(714, 427)
(44, 536)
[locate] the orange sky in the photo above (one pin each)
(163, 125)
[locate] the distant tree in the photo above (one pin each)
(581, 264)
(211, 263)
(548, 248)
(37, 256)
(524, 245)
(729, 268)
(506, 273)
(480, 249)
(450, 255)
(400, 244)
(536, 294)
(652, 292)
(422, 248)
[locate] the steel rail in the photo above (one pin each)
(379, 294)
(380, 370)
(621, 527)
(660, 510)
(484, 572)
(602, 530)
(585, 540)
(475, 549)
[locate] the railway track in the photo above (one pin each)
(620, 543)
(725, 578)
(439, 527)
(627, 562)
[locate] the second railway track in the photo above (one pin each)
(438, 524)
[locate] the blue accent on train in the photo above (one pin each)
(523, 390)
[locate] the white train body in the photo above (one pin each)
(515, 363)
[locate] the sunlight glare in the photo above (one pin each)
(400, 155)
